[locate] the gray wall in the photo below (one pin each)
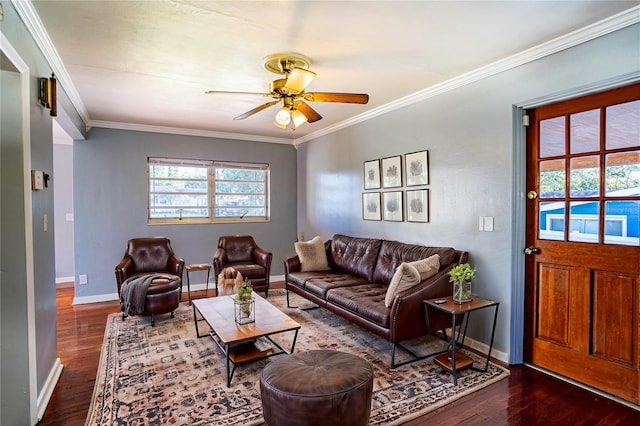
(63, 205)
(110, 201)
(473, 166)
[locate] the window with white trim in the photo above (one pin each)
(196, 191)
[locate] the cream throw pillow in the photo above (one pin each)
(312, 255)
(409, 275)
(427, 267)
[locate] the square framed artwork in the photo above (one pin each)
(392, 172)
(418, 205)
(372, 174)
(371, 208)
(416, 168)
(392, 206)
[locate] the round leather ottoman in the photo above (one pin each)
(319, 387)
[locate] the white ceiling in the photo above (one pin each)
(133, 64)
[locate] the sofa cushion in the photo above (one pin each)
(393, 253)
(356, 256)
(312, 255)
(409, 275)
(319, 286)
(366, 300)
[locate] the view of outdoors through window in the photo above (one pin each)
(588, 166)
(201, 191)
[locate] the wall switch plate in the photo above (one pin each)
(488, 224)
(83, 278)
(481, 224)
(37, 180)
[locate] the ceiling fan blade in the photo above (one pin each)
(224, 92)
(347, 98)
(256, 109)
(298, 79)
(310, 113)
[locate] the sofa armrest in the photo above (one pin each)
(176, 265)
(291, 264)
(408, 311)
(124, 269)
(219, 261)
(261, 257)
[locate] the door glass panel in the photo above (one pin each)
(623, 125)
(552, 179)
(551, 221)
(584, 131)
(584, 221)
(621, 223)
(585, 176)
(622, 176)
(552, 137)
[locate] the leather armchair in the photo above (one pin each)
(243, 254)
(147, 256)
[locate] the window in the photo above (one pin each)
(194, 191)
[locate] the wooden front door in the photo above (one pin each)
(582, 316)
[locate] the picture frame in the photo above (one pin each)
(391, 172)
(372, 174)
(392, 207)
(371, 207)
(417, 205)
(416, 168)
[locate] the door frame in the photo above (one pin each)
(11, 53)
(516, 341)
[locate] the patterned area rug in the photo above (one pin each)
(166, 375)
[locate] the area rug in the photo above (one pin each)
(166, 375)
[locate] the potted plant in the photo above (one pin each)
(461, 277)
(244, 303)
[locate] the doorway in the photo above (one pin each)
(582, 269)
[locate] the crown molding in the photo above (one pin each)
(187, 132)
(608, 25)
(34, 25)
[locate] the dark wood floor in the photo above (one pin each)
(526, 397)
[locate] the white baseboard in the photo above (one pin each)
(48, 388)
(483, 348)
(65, 280)
(95, 299)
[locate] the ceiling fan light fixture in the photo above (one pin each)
(283, 117)
(298, 79)
(298, 118)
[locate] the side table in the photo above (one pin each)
(198, 267)
(451, 361)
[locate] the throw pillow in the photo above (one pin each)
(312, 255)
(427, 267)
(405, 277)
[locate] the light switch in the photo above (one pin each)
(488, 224)
(37, 180)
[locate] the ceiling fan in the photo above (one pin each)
(290, 92)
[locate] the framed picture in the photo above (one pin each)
(418, 205)
(392, 206)
(392, 172)
(416, 168)
(372, 174)
(371, 208)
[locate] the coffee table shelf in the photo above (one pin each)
(237, 341)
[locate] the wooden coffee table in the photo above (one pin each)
(237, 341)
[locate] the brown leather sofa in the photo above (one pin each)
(153, 255)
(356, 284)
(243, 254)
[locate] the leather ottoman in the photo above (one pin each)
(319, 387)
